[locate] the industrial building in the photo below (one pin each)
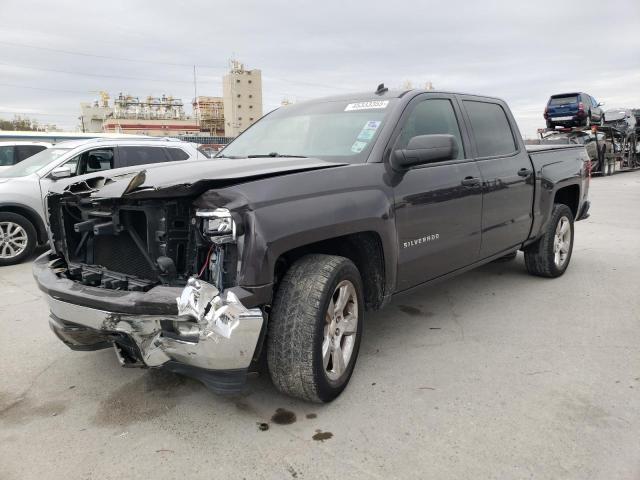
(209, 113)
(242, 94)
(153, 127)
(93, 114)
(226, 116)
(154, 116)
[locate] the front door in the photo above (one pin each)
(438, 206)
(90, 161)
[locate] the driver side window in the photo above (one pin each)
(73, 165)
(91, 161)
(432, 116)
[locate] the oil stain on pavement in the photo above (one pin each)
(283, 417)
(321, 436)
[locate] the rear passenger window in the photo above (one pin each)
(6, 155)
(177, 154)
(490, 128)
(433, 116)
(131, 156)
(25, 151)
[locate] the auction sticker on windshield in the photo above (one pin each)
(366, 105)
(358, 146)
(369, 130)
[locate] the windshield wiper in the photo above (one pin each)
(274, 155)
(233, 157)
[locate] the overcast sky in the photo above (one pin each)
(55, 54)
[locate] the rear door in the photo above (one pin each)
(88, 161)
(438, 205)
(595, 110)
(507, 175)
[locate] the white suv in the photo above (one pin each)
(24, 185)
(14, 152)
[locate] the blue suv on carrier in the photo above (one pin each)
(573, 110)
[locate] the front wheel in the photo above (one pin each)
(315, 327)
(18, 238)
(550, 255)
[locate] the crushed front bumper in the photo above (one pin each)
(207, 335)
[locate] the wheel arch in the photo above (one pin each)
(365, 249)
(31, 215)
(569, 196)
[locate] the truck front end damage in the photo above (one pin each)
(154, 278)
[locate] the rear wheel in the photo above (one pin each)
(17, 238)
(550, 255)
(315, 327)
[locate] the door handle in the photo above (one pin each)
(524, 172)
(470, 181)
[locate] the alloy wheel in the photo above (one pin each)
(340, 330)
(13, 240)
(562, 242)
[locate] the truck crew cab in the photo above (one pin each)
(318, 212)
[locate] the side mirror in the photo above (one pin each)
(60, 172)
(600, 104)
(425, 149)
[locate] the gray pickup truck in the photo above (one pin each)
(318, 212)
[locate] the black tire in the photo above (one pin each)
(539, 257)
(297, 323)
(602, 158)
(32, 238)
(550, 124)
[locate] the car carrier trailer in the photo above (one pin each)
(621, 149)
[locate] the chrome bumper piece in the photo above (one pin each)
(212, 331)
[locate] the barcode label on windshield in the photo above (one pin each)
(367, 105)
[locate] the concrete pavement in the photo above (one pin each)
(495, 374)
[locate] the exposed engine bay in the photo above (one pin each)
(120, 244)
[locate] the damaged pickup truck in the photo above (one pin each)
(318, 212)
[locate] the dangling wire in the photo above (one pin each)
(206, 262)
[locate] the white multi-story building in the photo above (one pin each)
(242, 96)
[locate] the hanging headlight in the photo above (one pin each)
(217, 224)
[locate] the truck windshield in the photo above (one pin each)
(334, 131)
(34, 163)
